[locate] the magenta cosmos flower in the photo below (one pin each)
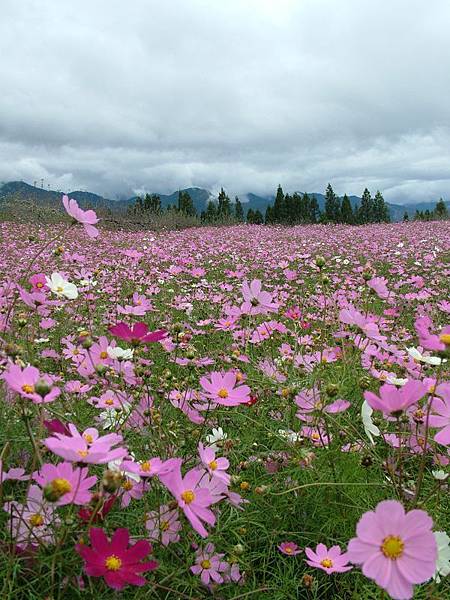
(256, 301)
(289, 548)
(396, 549)
(113, 560)
(330, 561)
(137, 334)
(428, 340)
(64, 484)
(87, 218)
(393, 400)
(221, 389)
(87, 447)
(192, 497)
(29, 383)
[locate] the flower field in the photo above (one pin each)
(236, 412)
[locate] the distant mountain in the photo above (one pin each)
(21, 190)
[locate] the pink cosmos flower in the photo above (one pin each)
(221, 389)
(209, 565)
(138, 334)
(13, 474)
(87, 218)
(351, 316)
(64, 483)
(132, 490)
(87, 447)
(30, 524)
(330, 561)
(113, 560)
(428, 340)
(440, 416)
(289, 548)
(256, 302)
(163, 525)
(393, 400)
(216, 467)
(192, 497)
(396, 549)
(29, 383)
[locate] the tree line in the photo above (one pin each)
(439, 213)
(287, 209)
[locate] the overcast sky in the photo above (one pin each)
(117, 97)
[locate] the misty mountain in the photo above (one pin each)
(23, 191)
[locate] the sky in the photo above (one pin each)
(121, 97)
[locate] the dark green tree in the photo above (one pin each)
(441, 210)
(258, 218)
(314, 211)
(380, 209)
(279, 207)
(211, 212)
(185, 204)
(347, 211)
(268, 218)
(365, 212)
(250, 216)
(223, 205)
(332, 206)
(238, 210)
(405, 216)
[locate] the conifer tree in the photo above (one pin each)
(441, 210)
(332, 206)
(185, 204)
(238, 210)
(346, 211)
(279, 207)
(223, 204)
(365, 212)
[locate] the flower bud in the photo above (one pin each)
(42, 387)
(238, 549)
(332, 390)
(111, 480)
(320, 261)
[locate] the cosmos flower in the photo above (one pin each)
(331, 560)
(222, 389)
(137, 334)
(163, 525)
(65, 484)
(209, 565)
(114, 560)
(192, 497)
(61, 287)
(87, 218)
(289, 548)
(396, 549)
(393, 400)
(29, 383)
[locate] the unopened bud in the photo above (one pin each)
(42, 387)
(111, 480)
(320, 261)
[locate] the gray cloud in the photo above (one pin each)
(114, 97)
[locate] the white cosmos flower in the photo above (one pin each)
(429, 360)
(119, 353)
(289, 435)
(443, 559)
(369, 426)
(217, 435)
(440, 475)
(61, 287)
(396, 380)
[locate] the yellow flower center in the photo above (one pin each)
(432, 389)
(36, 520)
(109, 401)
(27, 388)
(205, 564)
(213, 465)
(88, 437)
(327, 563)
(127, 486)
(223, 393)
(83, 453)
(445, 338)
(315, 436)
(103, 354)
(39, 284)
(146, 466)
(60, 289)
(60, 485)
(164, 525)
(188, 496)
(392, 547)
(113, 563)
(288, 550)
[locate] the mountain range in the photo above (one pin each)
(19, 190)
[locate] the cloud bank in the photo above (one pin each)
(113, 97)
